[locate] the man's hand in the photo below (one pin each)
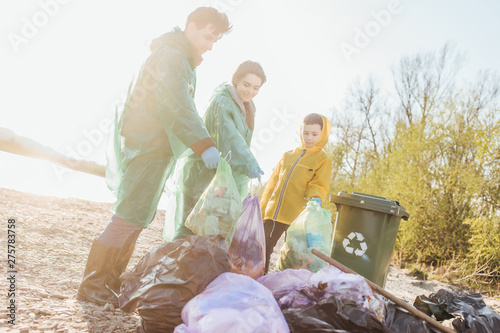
(211, 157)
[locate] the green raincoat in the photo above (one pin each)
(230, 124)
(158, 124)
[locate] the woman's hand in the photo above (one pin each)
(255, 173)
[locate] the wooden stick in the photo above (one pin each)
(386, 294)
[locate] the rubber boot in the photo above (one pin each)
(126, 252)
(100, 263)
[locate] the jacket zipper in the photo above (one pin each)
(286, 181)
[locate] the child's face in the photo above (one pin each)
(311, 134)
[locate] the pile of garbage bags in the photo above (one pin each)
(188, 286)
(214, 281)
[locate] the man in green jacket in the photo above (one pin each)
(158, 124)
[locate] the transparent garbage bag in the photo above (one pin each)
(300, 289)
(248, 247)
(284, 282)
(312, 229)
(175, 197)
(233, 303)
(218, 208)
(349, 288)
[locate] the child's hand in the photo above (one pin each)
(255, 173)
(318, 200)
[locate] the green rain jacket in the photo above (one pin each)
(230, 124)
(158, 124)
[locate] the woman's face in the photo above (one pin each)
(248, 87)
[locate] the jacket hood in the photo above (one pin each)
(323, 138)
(177, 40)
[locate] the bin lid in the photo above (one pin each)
(370, 202)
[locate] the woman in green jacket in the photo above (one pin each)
(230, 122)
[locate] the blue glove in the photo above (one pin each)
(211, 157)
(318, 200)
(255, 173)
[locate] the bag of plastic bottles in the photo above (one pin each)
(219, 207)
(312, 229)
(248, 248)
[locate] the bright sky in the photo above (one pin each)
(65, 64)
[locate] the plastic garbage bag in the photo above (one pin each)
(174, 198)
(399, 320)
(333, 315)
(233, 303)
(167, 277)
(299, 290)
(349, 288)
(312, 229)
(473, 314)
(284, 282)
(218, 208)
(248, 247)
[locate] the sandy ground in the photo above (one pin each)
(52, 239)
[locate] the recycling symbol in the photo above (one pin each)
(362, 245)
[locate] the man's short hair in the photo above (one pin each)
(202, 16)
(313, 118)
(246, 68)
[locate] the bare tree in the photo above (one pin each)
(356, 126)
(424, 81)
(483, 93)
(364, 96)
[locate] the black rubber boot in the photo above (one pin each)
(94, 286)
(126, 252)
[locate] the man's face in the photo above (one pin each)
(202, 39)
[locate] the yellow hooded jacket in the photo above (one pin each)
(301, 174)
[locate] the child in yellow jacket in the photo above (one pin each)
(301, 175)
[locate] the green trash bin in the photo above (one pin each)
(365, 232)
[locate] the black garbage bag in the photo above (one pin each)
(474, 315)
(333, 315)
(167, 277)
(400, 320)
